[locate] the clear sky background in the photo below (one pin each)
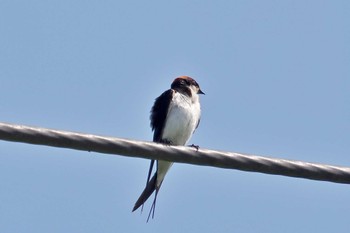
(277, 80)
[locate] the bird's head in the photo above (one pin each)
(186, 85)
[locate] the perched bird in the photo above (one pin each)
(175, 115)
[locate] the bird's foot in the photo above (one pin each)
(195, 146)
(166, 142)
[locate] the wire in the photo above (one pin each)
(179, 154)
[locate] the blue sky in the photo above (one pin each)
(276, 78)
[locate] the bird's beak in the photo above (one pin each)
(200, 92)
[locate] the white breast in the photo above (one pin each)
(182, 119)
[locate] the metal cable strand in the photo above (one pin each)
(180, 154)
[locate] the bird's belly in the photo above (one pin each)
(179, 126)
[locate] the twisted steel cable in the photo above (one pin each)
(179, 154)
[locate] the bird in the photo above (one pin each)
(175, 116)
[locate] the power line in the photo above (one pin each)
(179, 154)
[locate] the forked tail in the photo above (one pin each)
(147, 192)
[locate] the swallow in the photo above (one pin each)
(175, 116)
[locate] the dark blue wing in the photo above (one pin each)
(159, 113)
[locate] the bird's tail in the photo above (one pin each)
(147, 192)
